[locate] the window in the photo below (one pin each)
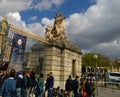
(115, 74)
(73, 68)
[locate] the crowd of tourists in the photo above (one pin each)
(25, 84)
(80, 87)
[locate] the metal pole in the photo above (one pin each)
(96, 84)
(2, 49)
(96, 76)
(3, 36)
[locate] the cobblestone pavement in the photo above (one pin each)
(108, 92)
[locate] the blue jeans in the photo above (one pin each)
(41, 94)
(28, 92)
(18, 92)
(24, 92)
(50, 93)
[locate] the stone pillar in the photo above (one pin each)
(52, 60)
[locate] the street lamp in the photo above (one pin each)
(96, 57)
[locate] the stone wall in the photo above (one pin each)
(60, 62)
(34, 59)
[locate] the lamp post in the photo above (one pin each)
(96, 57)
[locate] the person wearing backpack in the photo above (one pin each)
(41, 84)
(19, 84)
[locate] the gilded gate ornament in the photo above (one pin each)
(3, 35)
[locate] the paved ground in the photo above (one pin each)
(108, 92)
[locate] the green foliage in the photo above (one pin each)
(89, 60)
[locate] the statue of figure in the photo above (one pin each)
(58, 29)
(59, 26)
(48, 33)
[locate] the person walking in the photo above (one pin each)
(68, 86)
(24, 86)
(32, 78)
(3, 77)
(41, 85)
(47, 85)
(19, 84)
(88, 88)
(75, 86)
(83, 88)
(9, 85)
(92, 87)
(50, 93)
(28, 84)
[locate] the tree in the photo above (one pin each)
(88, 60)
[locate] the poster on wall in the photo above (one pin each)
(17, 51)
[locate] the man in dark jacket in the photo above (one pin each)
(68, 86)
(75, 86)
(87, 87)
(47, 84)
(19, 84)
(50, 93)
(32, 78)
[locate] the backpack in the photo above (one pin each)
(74, 85)
(37, 89)
(68, 85)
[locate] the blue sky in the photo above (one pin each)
(68, 7)
(93, 25)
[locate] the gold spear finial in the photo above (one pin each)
(3, 25)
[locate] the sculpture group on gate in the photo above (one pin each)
(57, 31)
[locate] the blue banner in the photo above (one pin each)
(18, 48)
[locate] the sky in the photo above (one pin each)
(92, 25)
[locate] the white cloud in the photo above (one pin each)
(36, 28)
(98, 25)
(7, 6)
(110, 49)
(77, 21)
(45, 21)
(46, 4)
(15, 19)
(15, 16)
